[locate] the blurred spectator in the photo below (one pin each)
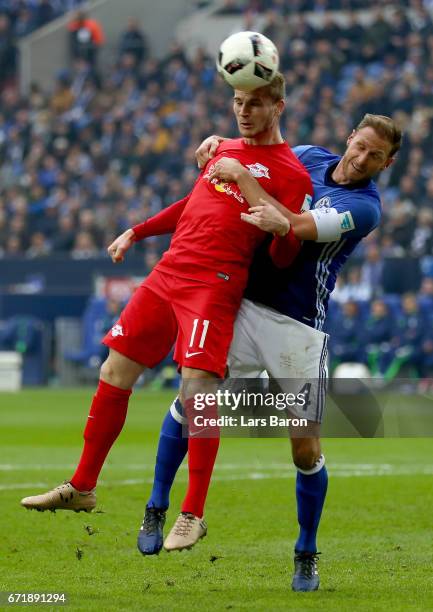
(346, 332)
(84, 246)
(86, 37)
(426, 289)
(422, 240)
(356, 288)
(64, 237)
(24, 22)
(63, 98)
(113, 309)
(425, 366)
(407, 340)
(44, 13)
(7, 50)
(151, 258)
(39, 246)
(98, 318)
(87, 223)
(133, 42)
(371, 270)
(13, 246)
(378, 332)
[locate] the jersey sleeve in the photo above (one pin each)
(283, 250)
(163, 222)
(296, 197)
(358, 215)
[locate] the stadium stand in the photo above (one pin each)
(102, 150)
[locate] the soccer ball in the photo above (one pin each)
(247, 60)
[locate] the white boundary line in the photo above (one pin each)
(361, 470)
(17, 467)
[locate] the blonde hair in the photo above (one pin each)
(276, 89)
(385, 127)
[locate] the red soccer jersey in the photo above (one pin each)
(210, 237)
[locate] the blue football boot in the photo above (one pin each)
(150, 537)
(306, 576)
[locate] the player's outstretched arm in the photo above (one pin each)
(121, 245)
(163, 222)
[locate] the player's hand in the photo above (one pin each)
(227, 169)
(118, 248)
(266, 217)
(207, 149)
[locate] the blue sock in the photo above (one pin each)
(310, 496)
(172, 448)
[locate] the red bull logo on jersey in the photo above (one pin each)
(231, 189)
(258, 170)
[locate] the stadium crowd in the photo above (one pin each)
(18, 18)
(235, 7)
(103, 150)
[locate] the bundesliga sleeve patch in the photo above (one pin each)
(306, 205)
(346, 221)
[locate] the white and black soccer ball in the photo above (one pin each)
(247, 60)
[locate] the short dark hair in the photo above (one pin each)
(385, 127)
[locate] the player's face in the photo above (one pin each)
(255, 112)
(366, 155)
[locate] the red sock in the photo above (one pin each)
(202, 452)
(104, 423)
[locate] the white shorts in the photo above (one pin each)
(293, 354)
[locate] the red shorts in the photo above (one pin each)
(165, 309)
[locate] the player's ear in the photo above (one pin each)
(388, 162)
(279, 106)
(350, 138)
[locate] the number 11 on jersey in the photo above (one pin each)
(205, 325)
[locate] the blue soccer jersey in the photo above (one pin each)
(302, 291)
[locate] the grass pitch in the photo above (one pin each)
(376, 532)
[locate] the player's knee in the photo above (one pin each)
(305, 456)
(191, 397)
(195, 384)
(114, 375)
(182, 395)
(120, 371)
(108, 372)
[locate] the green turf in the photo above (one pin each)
(376, 533)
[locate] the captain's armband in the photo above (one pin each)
(330, 224)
